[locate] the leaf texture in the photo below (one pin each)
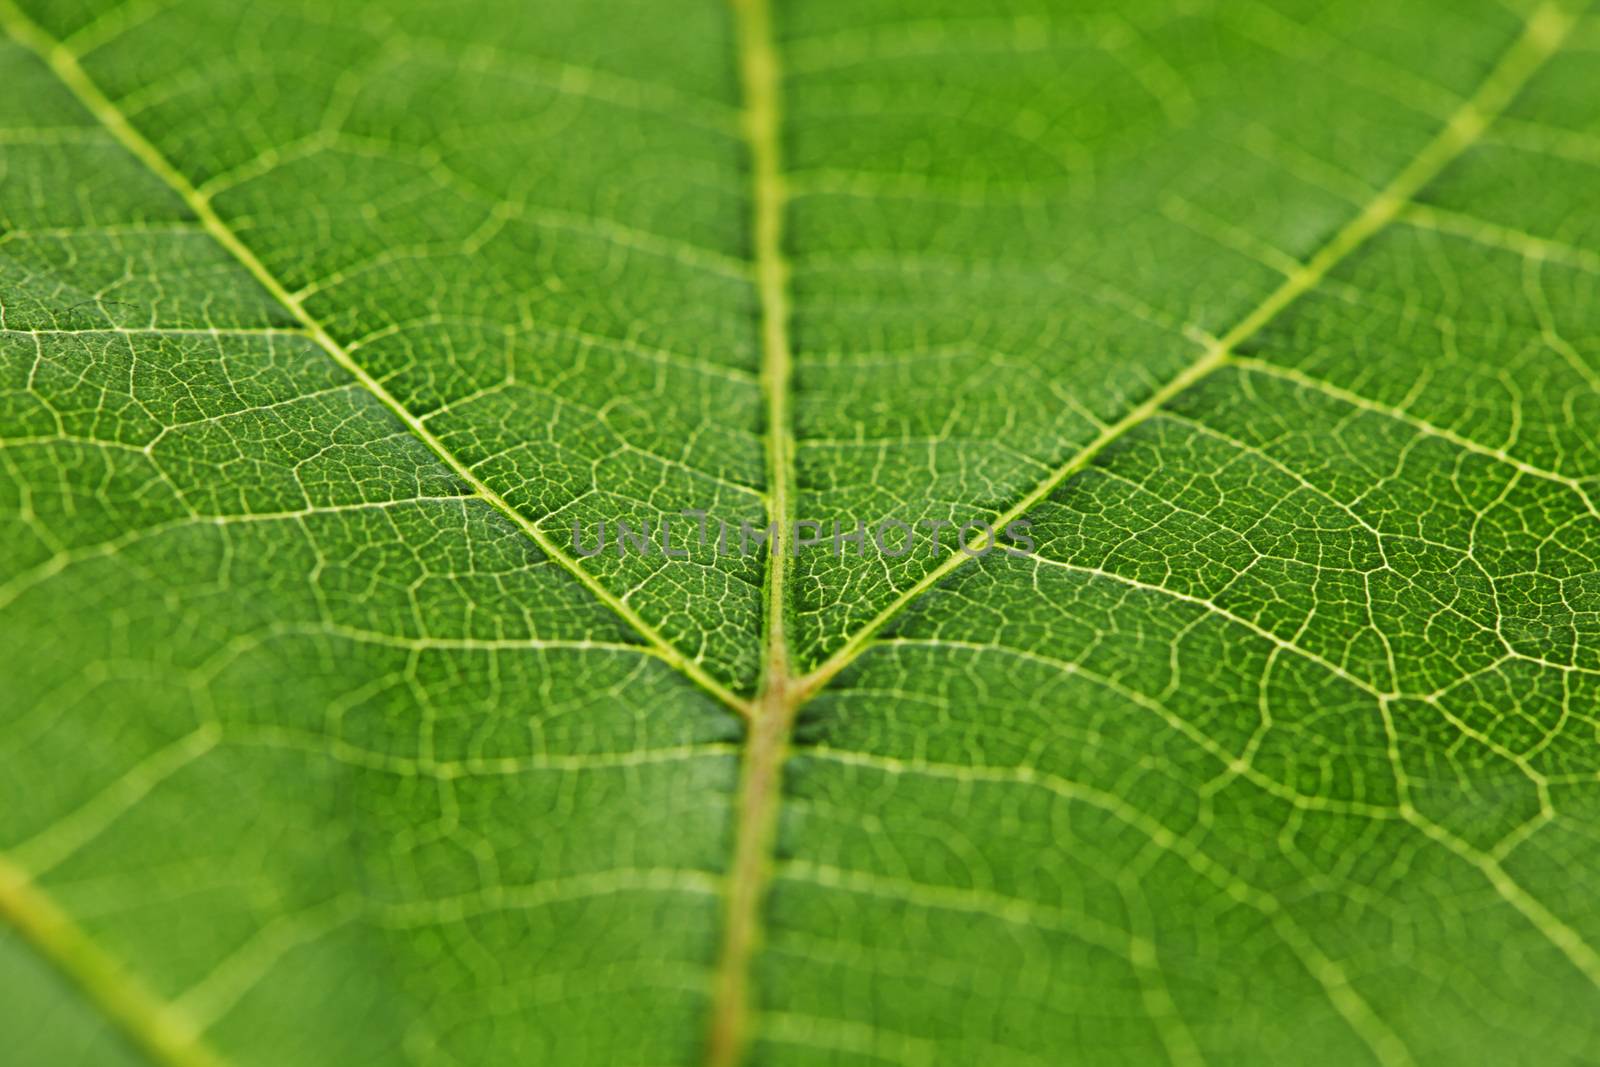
(321, 325)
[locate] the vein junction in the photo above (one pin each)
(773, 714)
(784, 687)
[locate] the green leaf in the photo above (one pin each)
(322, 326)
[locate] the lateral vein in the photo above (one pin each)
(1542, 35)
(157, 1027)
(65, 66)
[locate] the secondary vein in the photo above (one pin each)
(157, 1027)
(64, 64)
(1542, 35)
(772, 714)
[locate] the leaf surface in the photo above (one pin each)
(322, 325)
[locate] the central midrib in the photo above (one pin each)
(770, 718)
(771, 715)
